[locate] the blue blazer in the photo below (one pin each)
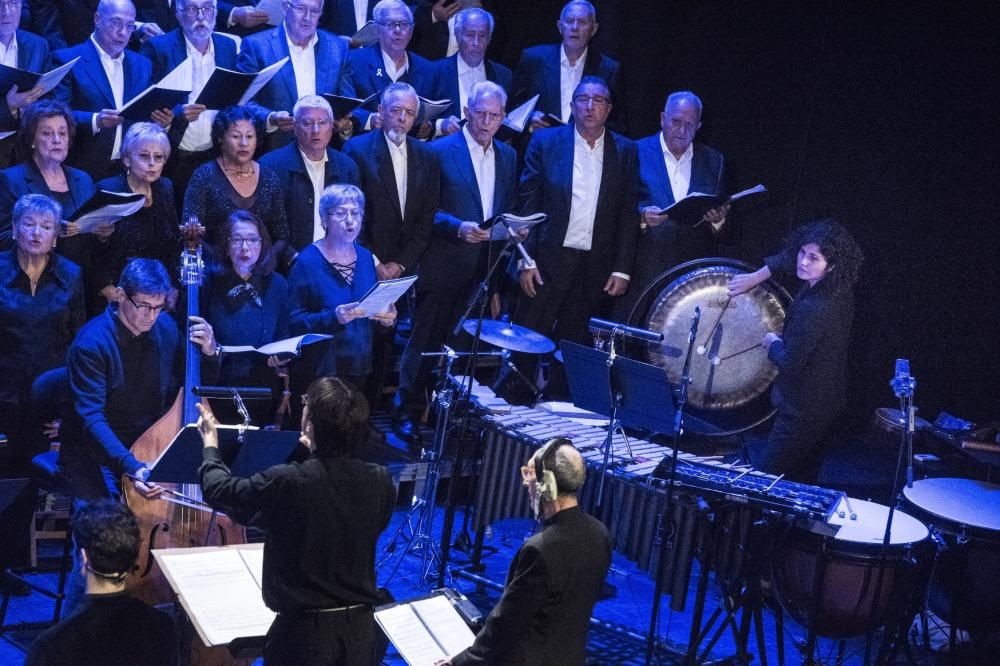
(538, 73)
(86, 90)
(298, 189)
(32, 55)
(547, 186)
(446, 81)
(24, 178)
(168, 51)
(368, 76)
(449, 261)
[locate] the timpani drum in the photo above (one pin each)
(730, 373)
(965, 517)
(837, 577)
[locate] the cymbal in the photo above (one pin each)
(510, 336)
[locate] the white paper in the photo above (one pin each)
(498, 231)
(107, 215)
(275, 10)
(179, 78)
(518, 118)
(261, 80)
(384, 294)
(431, 109)
(366, 36)
(409, 635)
(219, 594)
(4, 135)
(49, 80)
(448, 626)
(254, 559)
(286, 346)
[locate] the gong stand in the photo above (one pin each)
(667, 528)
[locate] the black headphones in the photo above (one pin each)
(548, 488)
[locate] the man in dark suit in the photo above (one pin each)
(22, 50)
(478, 180)
(554, 70)
(400, 177)
(584, 178)
(556, 577)
(107, 76)
(671, 166)
(196, 42)
(374, 67)
(306, 167)
(454, 76)
(317, 64)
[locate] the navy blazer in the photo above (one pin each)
(538, 73)
(32, 55)
(24, 178)
(298, 189)
(86, 90)
(168, 51)
(387, 231)
(446, 82)
(450, 261)
(668, 244)
(368, 76)
(547, 186)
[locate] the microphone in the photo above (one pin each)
(515, 241)
(226, 392)
(903, 383)
(628, 331)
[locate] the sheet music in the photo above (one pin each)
(448, 626)
(286, 346)
(49, 80)
(409, 635)
(383, 294)
(254, 559)
(218, 592)
(107, 215)
(518, 118)
(262, 79)
(275, 10)
(498, 231)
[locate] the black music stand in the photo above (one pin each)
(258, 450)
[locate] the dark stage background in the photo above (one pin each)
(881, 114)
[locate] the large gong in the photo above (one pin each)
(730, 373)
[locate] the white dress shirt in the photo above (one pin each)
(360, 13)
(114, 70)
(317, 174)
(569, 79)
(588, 167)
(8, 55)
(398, 156)
(390, 67)
(485, 165)
(304, 65)
(198, 135)
(678, 170)
(452, 42)
(468, 77)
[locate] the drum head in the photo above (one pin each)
(730, 373)
(963, 502)
(869, 527)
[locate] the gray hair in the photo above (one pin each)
(471, 13)
(486, 89)
(140, 133)
(399, 88)
(338, 194)
(675, 98)
(578, 3)
(36, 204)
(385, 6)
(311, 102)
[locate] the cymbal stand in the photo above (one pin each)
(667, 528)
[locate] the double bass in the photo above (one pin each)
(178, 518)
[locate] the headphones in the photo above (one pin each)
(548, 488)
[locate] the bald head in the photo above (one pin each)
(114, 22)
(567, 465)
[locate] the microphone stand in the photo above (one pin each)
(666, 528)
(479, 295)
(613, 424)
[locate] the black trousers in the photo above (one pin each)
(342, 638)
(795, 446)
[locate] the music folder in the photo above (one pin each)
(344, 105)
(259, 450)
(226, 87)
(425, 630)
(153, 98)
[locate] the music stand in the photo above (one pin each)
(258, 450)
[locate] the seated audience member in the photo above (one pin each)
(110, 626)
(323, 518)
(373, 68)
(194, 41)
(455, 75)
(47, 129)
(234, 181)
(556, 576)
(306, 168)
(22, 50)
(106, 76)
(317, 65)
(152, 232)
(247, 304)
(41, 309)
(324, 287)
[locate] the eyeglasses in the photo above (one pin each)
(118, 25)
(306, 11)
(195, 12)
(396, 25)
(146, 308)
(239, 241)
(341, 214)
(487, 116)
(587, 100)
(154, 158)
(314, 125)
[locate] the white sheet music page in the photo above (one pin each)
(409, 635)
(448, 626)
(218, 592)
